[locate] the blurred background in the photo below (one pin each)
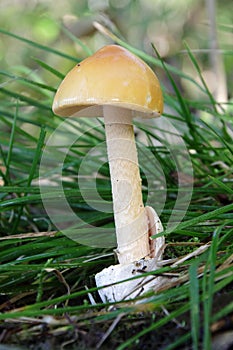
(204, 25)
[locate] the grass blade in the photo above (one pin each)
(184, 108)
(191, 56)
(49, 68)
(10, 147)
(208, 289)
(27, 81)
(77, 41)
(38, 46)
(35, 163)
(23, 98)
(201, 218)
(194, 304)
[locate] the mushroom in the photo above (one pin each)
(116, 84)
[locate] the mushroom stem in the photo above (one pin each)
(130, 217)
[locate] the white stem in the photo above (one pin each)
(129, 213)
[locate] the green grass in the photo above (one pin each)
(45, 273)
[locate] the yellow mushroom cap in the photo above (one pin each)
(112, 76)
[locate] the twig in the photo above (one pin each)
(196, 252)
(92, 300)
(167, 313)
(109, 331)
(30, 235)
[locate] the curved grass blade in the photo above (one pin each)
(77, 41)
(39, 46)
(191, 56)
(194, 304)
(31, 175)
(183, 105)
(208, 288)
(201, 218)
(27, 81)
(23, 98)
(49, 68)
(10, 147)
